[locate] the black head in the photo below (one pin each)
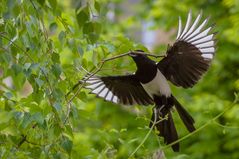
(137, 55)
(146, 68)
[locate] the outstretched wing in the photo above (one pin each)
(119, 89)
(191, 55)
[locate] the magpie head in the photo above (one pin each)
(140, 59)
(143, 63)
(136, 54)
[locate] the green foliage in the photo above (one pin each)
(45, 43)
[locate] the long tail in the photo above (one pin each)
(184, 115)
(164, 121)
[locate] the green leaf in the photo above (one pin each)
(80, 50)
(38, 117)
(53, 27)
(58, 94)
(82, 16)
(39, 82)
(97, 6)
(20, 81)
(8, 95)
(26, 120)
(17, 68)
(69, 131)
(56, 69)
(38, 96)
(82, 96)
(67, 145)
(57, 106)
(92, 30)
(88, 28)
(55, 57)
(41, 2)
(53, 3)
(5, 116)
(62, 37)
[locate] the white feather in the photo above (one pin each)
(92, 78)
(97, 90)
(207, 44)
(187, 24)
(201, 35)
(109, 96)
(115, 99)
(179, 27)
(92, 81)
(103, 93)
(210, 49)
(193, 26)
(197, 30)
(205, 39)
(208, 56)
(93, 86)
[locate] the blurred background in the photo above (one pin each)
(46, 46)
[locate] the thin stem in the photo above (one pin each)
(149, 132)
(15, 45)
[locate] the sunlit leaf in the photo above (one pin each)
(82, 16)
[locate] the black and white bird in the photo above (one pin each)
(184, 64)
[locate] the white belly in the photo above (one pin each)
(158, 86)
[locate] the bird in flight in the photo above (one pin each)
(185, 62)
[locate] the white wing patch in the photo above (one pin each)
(197, 35)
(99, 88)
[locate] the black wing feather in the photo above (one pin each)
(191, 55)
(119, 89)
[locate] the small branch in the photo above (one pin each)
(225, 126)
(18, 47)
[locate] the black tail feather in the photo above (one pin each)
(173, 135)
(184, 115)
(164, 122)
(166, 126)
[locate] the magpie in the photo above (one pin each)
(185, 62)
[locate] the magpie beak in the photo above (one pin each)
(132, 54)
(135, 53)
(187, 60)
